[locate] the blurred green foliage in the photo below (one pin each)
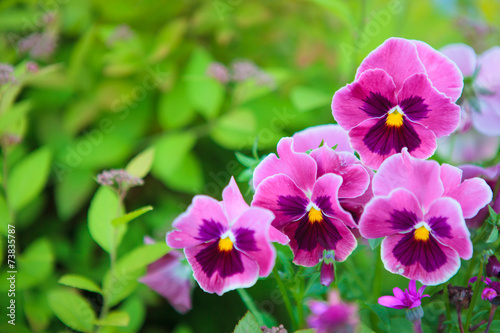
(130, 76)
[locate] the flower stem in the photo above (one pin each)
(284, 294)
(459, 316)
(417, 326)
(377, 279)
(447, 305)
(492, 315)
(250, 304)
(475, 295)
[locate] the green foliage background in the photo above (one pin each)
(95, 104)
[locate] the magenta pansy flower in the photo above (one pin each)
(408, 299)
(334, 316)
(492, 292)
(419, 207)
(482, 85)
(491, 176)
(170, 278)
(303, 191)
(226, 243)
(403, 96)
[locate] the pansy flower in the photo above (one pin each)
(403, 96)
(170, 278)
(303, 192)
(226, 243)
(419, 207)
(334, 316)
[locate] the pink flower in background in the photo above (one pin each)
(491, 176)
(419, 207)
(303, 191)
(226, 243)
(482, 85)
(334, 316)
(492, 293)
(408, 299)
(170, 278)
(403, 96)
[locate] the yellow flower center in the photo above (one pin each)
(421, 234)
(315, 215)
(394, 119)
(225, 244)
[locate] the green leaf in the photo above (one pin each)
(115, 318)
(35, 264)
(171, 151)
(72, 309)
(168, 38)
(188, 177)
(174, 109)
(136, 310)
(28, 178)
(9, 119)
(131, 216)
(248, 324)
(306, 98)
(493, 235)
(493, 214)
(80, 282)
(142, 163)
(38, 313)
(375, 242)
(382, 313)
(4, 216)
(205, 93)
(247, 161)
(141, 257)
(235, 130)
(73, 190)
(104, 208)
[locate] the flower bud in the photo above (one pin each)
(493, 267)
(414, 313)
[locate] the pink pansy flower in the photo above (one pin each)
(491, 176)
(419, 207)
(170, 278)
(226, 243)
(403, 96)
(334, 316)
(303, 191)
(482, 87)
(408, 299)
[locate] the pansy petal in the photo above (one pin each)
(384, 216)
(463, 55)
(443, 73)
(277, 236)
(219, 273)
(283, 197)
(298, 166)
(391, 302)
(423, 103)
(448, 226)
(396, 56)
(432, 264)
(370, 96)
(420, 177)
(232, 201)
(202, 221)
(251, 233)
(355, 179)
(375, 141)
(487, 119)
(489, 62)
(472, 194)
(325, 196)
(331, 136)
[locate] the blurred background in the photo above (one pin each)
(86, 85)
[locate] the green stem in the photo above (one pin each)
(354, 274)
(474, 296)
(250, 304)
(5, 174)
(286, 300)
(446, 297)
(492, 315)
(299, 296)
(377, 278)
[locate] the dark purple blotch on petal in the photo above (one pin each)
(376, 105)
(245, 239)
(410, 251)
(323, 203)
(210, 230)
(227, 263)
(292, 206)
(402, 220)
(382, 139)
(308, 235)
(440, 227)
(414, 107)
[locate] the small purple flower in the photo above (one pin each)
(6, 74)
(408, 299)
(243, 70)
(120, 33)
(403, 96)
(38, 45)
(492, 293)
(419, 207)
(170, 278)
(327, 268)
(119, 178)
(228, 243)
(32, 67)
(219, 72)
(493, 267)
(334, 316)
